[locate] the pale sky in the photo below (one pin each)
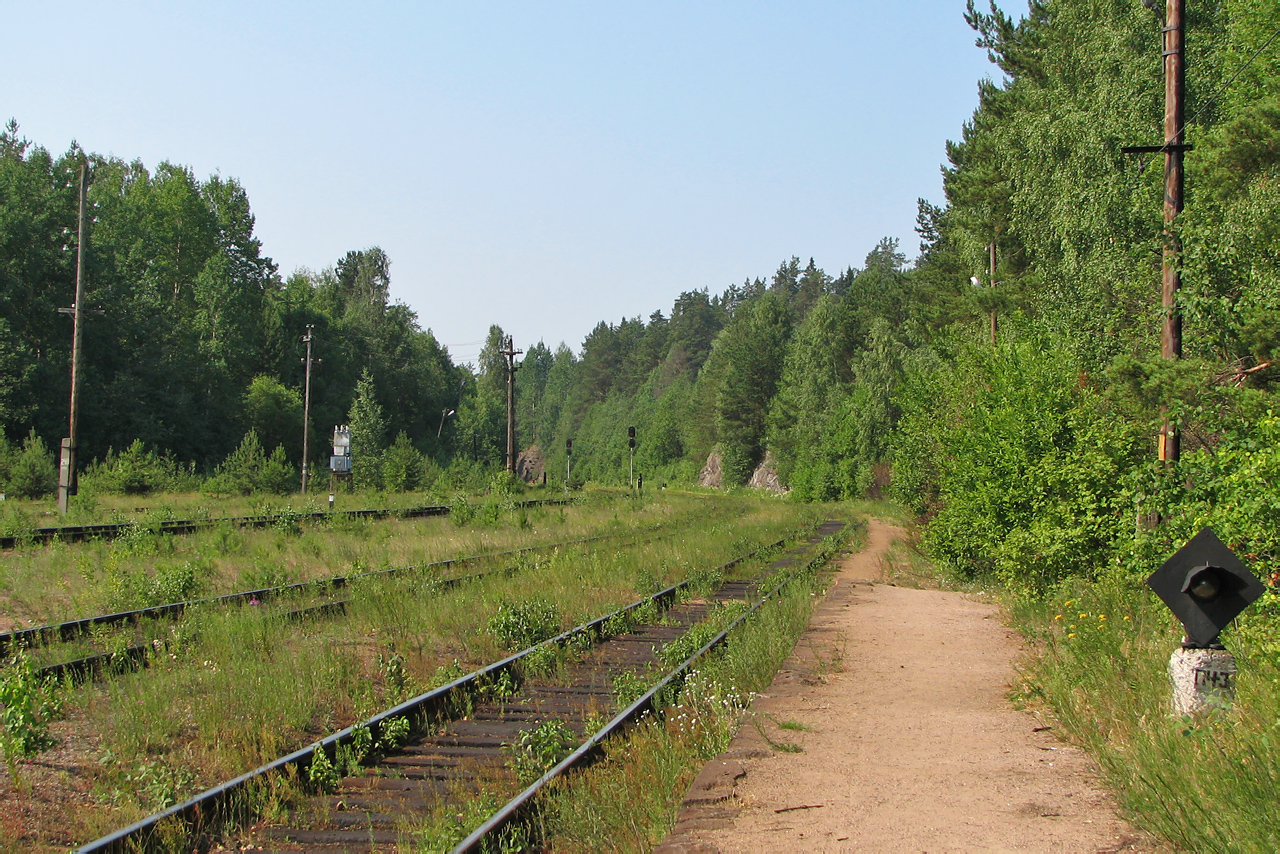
(543, 166)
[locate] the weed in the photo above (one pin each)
(618, 624)
(322, 774)
(395, 675)
(394, 733)
(447, 673)
(518, 625)
(540, 748)
(154, 784)
(29, 704)
(349, 757)
(543, 661)
(627, 688)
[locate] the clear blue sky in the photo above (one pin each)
(543, 166)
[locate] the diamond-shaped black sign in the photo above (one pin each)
(1205, 586)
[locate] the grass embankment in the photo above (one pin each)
(630, 798)
(234, 688)
(1205, 784)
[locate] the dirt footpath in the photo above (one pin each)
(889, 729)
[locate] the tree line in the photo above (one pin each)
(1032, 456)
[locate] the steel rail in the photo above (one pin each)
(218, 804)
(590, 749)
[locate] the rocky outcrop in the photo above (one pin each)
(530, 465)
(712, 473)
(766, 475)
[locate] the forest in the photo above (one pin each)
(1031, 457)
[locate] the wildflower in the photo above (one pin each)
(1126, 619)
(1102, 617)
(1071, 634)
(1058, 617)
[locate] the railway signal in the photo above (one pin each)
(1206, 587)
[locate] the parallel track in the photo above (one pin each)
(72, 629)
(111, 530)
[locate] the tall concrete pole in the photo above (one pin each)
(1175, 145)
(67, 467)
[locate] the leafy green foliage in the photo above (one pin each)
(518, 625)
(27, 705)
(540, 748)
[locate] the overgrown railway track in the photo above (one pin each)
(460, 734)
(111, 530)
(135, 656)
(69, 630)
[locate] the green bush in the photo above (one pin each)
(139, 471)
(249, 470)
(33, 472)
(1024, 466)
(27, 705)
(402, 466)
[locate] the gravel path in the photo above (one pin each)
(889, 729)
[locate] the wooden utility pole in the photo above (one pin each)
(67, 481)
(510, 352)
(1174, 148)
(306, 410)
(992, 284)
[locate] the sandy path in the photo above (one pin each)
(897, 702)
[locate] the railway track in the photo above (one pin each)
(72, 629)
(459, 735)
(111, 530)
(136, 655)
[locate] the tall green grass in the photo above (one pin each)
(1100, 663)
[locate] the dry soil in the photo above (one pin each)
(890, 729)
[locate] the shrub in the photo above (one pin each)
(27, 704)
(402, 465)
(33, 473)
(134, 471)
(248, 470)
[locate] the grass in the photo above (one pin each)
(1204, 784)
(231, 688)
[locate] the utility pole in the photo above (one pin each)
(993, 287)
(510, 352)
(67, 481)
(1174, 148)
(306, 408)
